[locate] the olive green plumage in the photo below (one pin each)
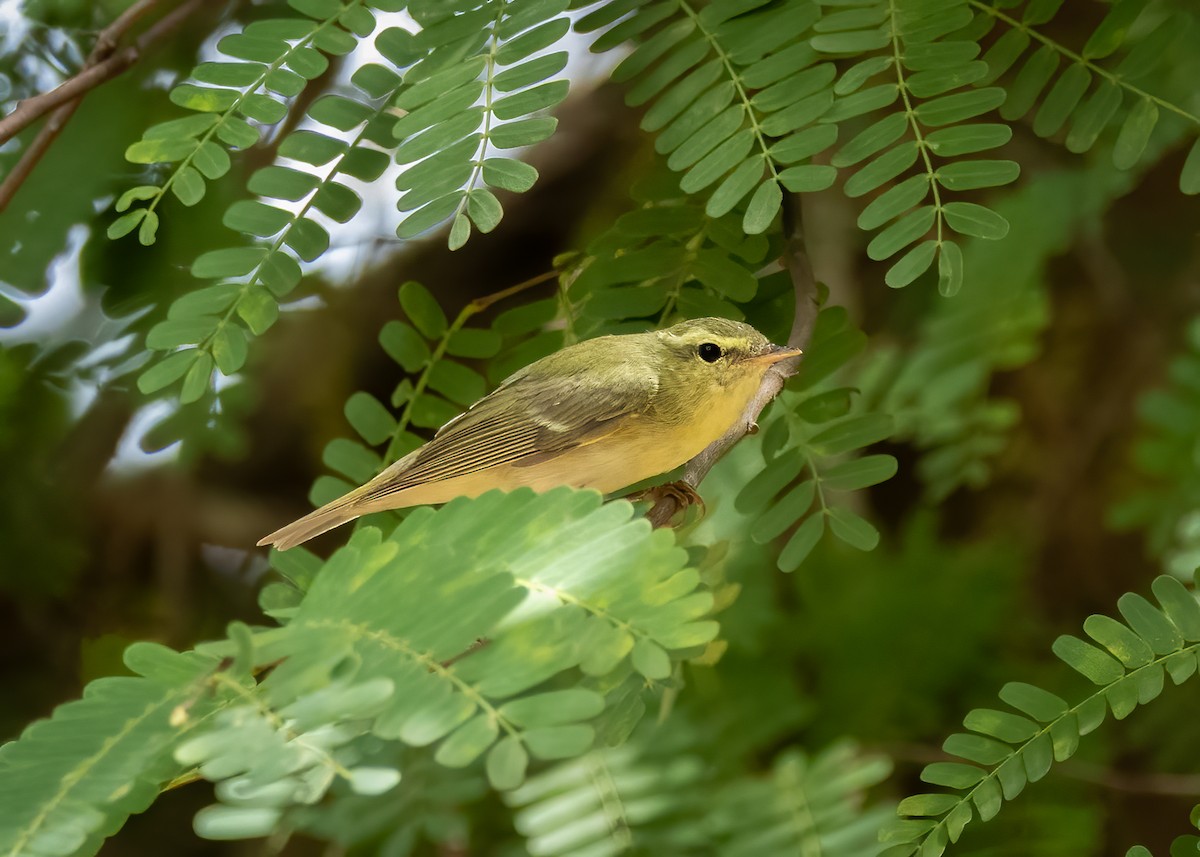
(603, 414)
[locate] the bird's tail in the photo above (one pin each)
(379, 493)
(340, 511)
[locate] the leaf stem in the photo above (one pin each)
(488, 91)
(727, 61)
(1193, 650)
(242, 96)
(1074, 57)
(913, 122)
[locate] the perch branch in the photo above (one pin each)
(103, 63)
(804, 285)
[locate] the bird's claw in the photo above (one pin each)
(684, 495)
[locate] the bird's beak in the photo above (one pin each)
(775, 354)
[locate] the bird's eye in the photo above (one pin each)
(710, 352)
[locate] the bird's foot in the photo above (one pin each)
(682, 496)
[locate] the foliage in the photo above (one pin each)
(1004, 751)
(545, 674)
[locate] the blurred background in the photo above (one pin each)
(1072, 474)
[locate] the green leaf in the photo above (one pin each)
(506, 764)
(734, 188)
(953, 775)
(903, 232)
(560, 742)
(229, 349)
(141, 192)
(970, 175)
(1008, 727)
(853, 433)
(197, 379)
(804, 144)
(255, 218)
(931, 805)
(955, 108)
(801, 543)
(1030, 82)
(211, 160)
(126, 223)
(1135, 133)
(167, 371)
(967, 139)
(1107, 37)
(894, 201)
(883, 169)
(219, 822)
(182, 331)
(1150, 624)
(856, 75)
(1004, 52)
(763, 207)
(258, 309)
(967, 218)
(873, 139)
(157, 151)
(311, 147)
(509, 174)
(938, 81)
(651, 660)
(853, 529)
(523, 132)
(1095, 665)
(404, 345)
(720, 273)
(856, 42)
(474, 342)
(1180, 606)
(553, 708)
(1039, 704)
(208, 300)
(369, 418)
(912, 264)
(784, 513)
(1131, 649)
(148, 228)
(860, 472)
(1093, 116)
(1062, 99)
(423, 310)
(950, 269)
(484, 209)
(977, 748)
(283, 183)
(229, 262)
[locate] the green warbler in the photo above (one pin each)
(603, 414)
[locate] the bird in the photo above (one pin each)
(605, 413)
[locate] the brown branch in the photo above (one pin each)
(103, 63)
(804, 285)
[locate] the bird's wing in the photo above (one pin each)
(525, 421)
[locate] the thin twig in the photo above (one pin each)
(804, 285)
(104, 63)
(30, 110)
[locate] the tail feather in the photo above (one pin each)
(371, 497)
(313, 524)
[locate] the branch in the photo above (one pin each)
(804, 285)
(103, 63)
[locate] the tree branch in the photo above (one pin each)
(103, 63)
(804, 285)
